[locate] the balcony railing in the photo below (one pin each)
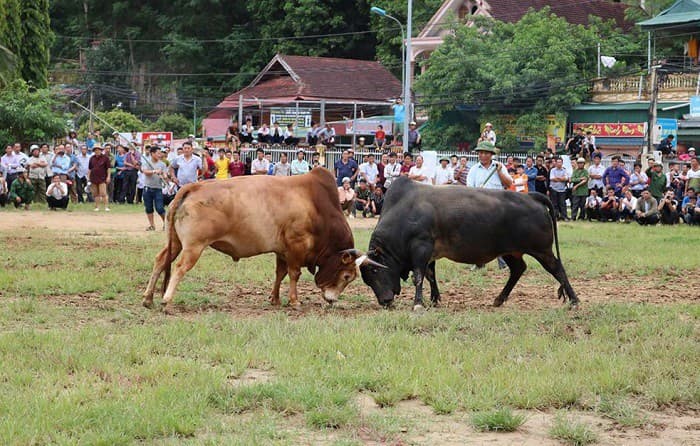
(672, 87)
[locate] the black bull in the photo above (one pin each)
(420, 224)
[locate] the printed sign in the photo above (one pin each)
(614, 130)
(665, 127)
(162, 138)
(367, 126)
(695, 106)
(288, 115)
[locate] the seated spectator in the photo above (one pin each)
(347, 198)
(380, 137)
(264, 134)
(628, 204)
(593, 202)
(289, 138)
(276, 134)
(689, 194)
(691, 211)
(369, 171)
(377, 201)
(638, 180)
(57, 194)
(312, 134)
(609, 209)
(363, 198)
(666, 146)
(668, 208)
(688, 155)
(647, 212)
(21, 190)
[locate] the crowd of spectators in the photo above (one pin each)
(116, 172)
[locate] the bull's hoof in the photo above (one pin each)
(275, 302)
(573, 306)
(148, 303)
(295, 305)
(419, 308)
(497, 302)
(168, 309)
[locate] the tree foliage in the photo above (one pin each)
(538, 66)
(37, 39)
(173, 122)
(28, 114)
(11, 30)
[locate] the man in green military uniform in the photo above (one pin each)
(21, 191)
(657, 182)
(579, 191)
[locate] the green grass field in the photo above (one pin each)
(84, 363)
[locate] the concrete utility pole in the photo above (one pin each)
(92, 108)
(407, 76)
(651, 124)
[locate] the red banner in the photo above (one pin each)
(165, 138)
(614, 129)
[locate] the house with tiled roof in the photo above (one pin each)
(307, 82)
(574, 11)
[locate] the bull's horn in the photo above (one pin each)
(367, 261)
(352, 251)
(361, 260)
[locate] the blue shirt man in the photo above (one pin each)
(531, 172)
(613, 175)
(61, 162)
(345, 167)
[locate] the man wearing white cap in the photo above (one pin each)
(346, 194)
(488, 134)
(579, 191)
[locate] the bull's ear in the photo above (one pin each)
(347, 257)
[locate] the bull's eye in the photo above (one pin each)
(346, 277)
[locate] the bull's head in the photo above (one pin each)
(339, 270)
(385, 281)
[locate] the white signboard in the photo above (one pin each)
(288, 115)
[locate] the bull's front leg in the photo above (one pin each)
(434, 291)
(294, 274)
(280, 272)
(418, 276)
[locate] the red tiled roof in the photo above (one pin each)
(292, 78)
(574, 11)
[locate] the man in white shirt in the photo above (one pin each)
(489, 135)
(593, 202)
(419, 173)
(283, 168)
(57, 194)
(628, 205)
(369, 171)
(392, 170)
(444, 173)
(81, 172)
(595, 175)
(260, 165)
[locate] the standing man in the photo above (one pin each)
(153, 170)
(461, 172)
(81, 172)
(132, 166)
(99, 174)
(369, 171)
(542, 176)
(300, 166)
(657, 182)
(595, 175)
(283, 168)
(414, 138)
(488, 134)
(531, 172)
(615, 176)
(345, 167)
(392, 170)
(579, 191)
(47, 156)
(399, 112)
(260, 165)
(72, 171)
(61, 162)
(558, 178)
(10, 164)
(443, 174)
(488, 174)
(419, 173)
(188, 166)
(37, 174)
(236, 168)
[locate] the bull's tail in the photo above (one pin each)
(548, 204)
(172, 210)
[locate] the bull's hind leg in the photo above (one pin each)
(190, 255)
(280, 273)
(517, 268)
(158, 267)
(434, 291)
(556, 269)
(294, 274)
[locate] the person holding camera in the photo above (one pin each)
(691, 211)
(668, 208)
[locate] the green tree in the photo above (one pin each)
(538, 66)
(11, 29)
(173, 122)
(117, 118)
(37, 39)
(7, 66)
(28, 114)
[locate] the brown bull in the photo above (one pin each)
(298, 218)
